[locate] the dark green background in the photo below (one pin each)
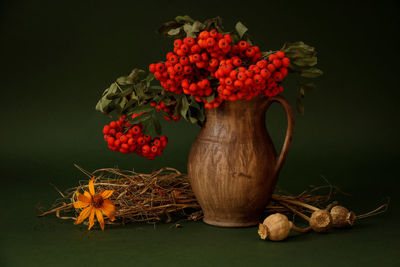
(58, 56)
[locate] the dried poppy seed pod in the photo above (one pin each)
(276, 227)
(262, 231)
(321, 221)
(342, 217)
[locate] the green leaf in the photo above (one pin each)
(311, 73)
(192, 29)
(139, 89)
(122, 80)
(141, 109)
(167, 101)
(201, 116)
(133, 76)
(130, 103)
(162, 112)
(214, 22)
(185, 18)
(185, 107)
(112, 89)
(298, 47)
(308, 86)
(210, 98)
(166, 27)
(306, 61)
(105, 92)
(194, 103)
(103, 105)
(149, 78)
(148, 126)
(241, 29)
(300, 105)
(156, 88)
(141, 118)
(134, 96)
(174, 32)
(178, 106)
(123, 103)
(192, 115)
(156, 124)
(124, 93)
(192, 119)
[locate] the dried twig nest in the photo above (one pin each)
(152, 197)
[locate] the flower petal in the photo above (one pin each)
(100, 218)
(83, 215)
(108, 209)
(91, 219)
(80, 204)
(84, 198)
(106, 193)
(88, 195)
(91, 187)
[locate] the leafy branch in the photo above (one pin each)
(303, 59)
(133, 94)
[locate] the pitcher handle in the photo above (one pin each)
(289, 131)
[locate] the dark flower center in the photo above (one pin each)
(97, 201)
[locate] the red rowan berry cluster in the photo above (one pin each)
(195, 63)
(167, 109)
(126, 138)
(262, 78)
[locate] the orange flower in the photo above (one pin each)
(95, 204)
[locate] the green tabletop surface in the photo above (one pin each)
(58, 57)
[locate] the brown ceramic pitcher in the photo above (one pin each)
(233, 165)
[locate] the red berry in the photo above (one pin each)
(243, 45)
(250, 52)
(152, 67)
(271, 67)
(222, 43)
(204, 34)
(265, 73)
(146, 149)
(193, 87)
(210, 42)
(106, 129)
(136, 129)
(280, 54)
(189, 41)
(277, 63)
(213, 63)
(286, 62)
(177, 43)
(123, 139)
(241, 76)
(141, 141)
(213, 33)
(272, 57)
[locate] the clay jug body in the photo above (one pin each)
(233, 165)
